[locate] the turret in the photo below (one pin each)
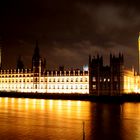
(139, 54)
(20, 64)
(36, 60)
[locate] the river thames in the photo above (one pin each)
(36, 119)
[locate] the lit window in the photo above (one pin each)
(94, 86)
(93, 79)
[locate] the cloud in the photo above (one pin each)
(69, 30)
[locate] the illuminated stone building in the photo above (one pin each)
(38, 79)
(111, 80)
(98, 79)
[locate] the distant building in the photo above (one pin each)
(38, 79)
(95, 78)
(113, 79)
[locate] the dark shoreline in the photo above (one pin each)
(82, 97)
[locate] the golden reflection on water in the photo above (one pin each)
(61, 107)
(131, 120)
(56, 119)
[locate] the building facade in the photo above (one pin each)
(38, 79)
(113, 79)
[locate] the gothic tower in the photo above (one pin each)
(0, 57)
(20, 64)
(36, 68)
(0, 52)
(36, 60)
(139, 54)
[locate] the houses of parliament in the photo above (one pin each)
(98, 79)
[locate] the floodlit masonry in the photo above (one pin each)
(98, 79)
(49, 82)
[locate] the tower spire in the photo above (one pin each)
(139, 53)
(0, 51)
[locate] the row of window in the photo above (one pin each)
(68, 80)
(24, 87)
(50, 87)
(7, 76)
(68, 87)
(44, 80)
(15, 81)
(104, 79)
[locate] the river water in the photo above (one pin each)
(36, 119)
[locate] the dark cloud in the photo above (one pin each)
(69, 30)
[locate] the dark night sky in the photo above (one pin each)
(68, 30)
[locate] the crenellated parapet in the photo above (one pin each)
(15, 71)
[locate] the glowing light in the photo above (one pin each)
(6, 100)
(12, 100)
(69, 103)
(19, 100)
(78, 103)
(34, 103)
(26, 103)
(42, 104)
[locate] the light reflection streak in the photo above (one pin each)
(69, 103)
(19, 100)
(12, 100)
(69, 107)
(34, 103)
(51, 104)
(19, 104)
(6, 103)
(59, 104)
(42, 104)
(26, 103)
(78, 103)
(6, 100)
